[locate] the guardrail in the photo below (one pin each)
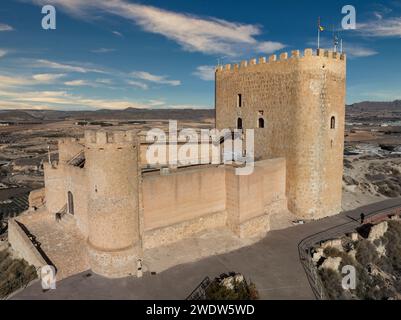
(200, 291)
(306, 245)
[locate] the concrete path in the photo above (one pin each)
(272, 264)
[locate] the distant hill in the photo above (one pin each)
(375, 106)
(16, 115)
(106, 114)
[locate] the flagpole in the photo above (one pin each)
(318, 33)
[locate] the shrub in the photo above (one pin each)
(332, 284)
(241, 291)
(392, 241)
(366, 253)
(14, 274)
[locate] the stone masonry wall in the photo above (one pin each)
(296, 96)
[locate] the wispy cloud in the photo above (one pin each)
(193, 33)
(156, 103)
(138, 84)
(21, 81)
(65, 67)
(381, 27)
(47, 77)
(12, 81)
(103, 50)
(2, 53)
(205, 72)
(62, 99)
(5, 27)
(143, 75)
(104, 81)
(79, 83)
(117, 33)
(355, 51)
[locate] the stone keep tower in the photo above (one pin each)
(113, 207)
(296, 105)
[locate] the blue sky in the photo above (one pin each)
(161, 53)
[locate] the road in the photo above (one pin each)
(272, 264)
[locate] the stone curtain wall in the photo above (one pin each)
(182, 196)
(182, 203)
(22, 245)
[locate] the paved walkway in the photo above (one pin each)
(272, 264)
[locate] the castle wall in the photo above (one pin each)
(76, 182)
(23, 246)
(68, 148)
(182, 196)
(296, 96)
(191, 153)
(55, 188)
(183, 203)
(255, 196)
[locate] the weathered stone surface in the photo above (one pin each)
(297, 97)
(377, 231)
(332, 263)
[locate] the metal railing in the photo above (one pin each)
(78, 160)
(200, 291)
(306, 246)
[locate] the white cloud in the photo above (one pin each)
(358, 51)
(156, 103)
(47, 77)
(390, 27)
(104, 81)
(201, 34)
(119, 34)
(269, 46)
(78, 83)
(5, 27)
(7, 81)
(205, 72)
(12, 81)
(65, 67)
(2, 53)
(143, 75)
(103, 50)
(138, 84)
(63, 99)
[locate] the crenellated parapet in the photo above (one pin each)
(99, 138)
(68, 140)
(295, 55)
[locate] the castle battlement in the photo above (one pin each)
(295, 55)
(107, 137)
(68, 140)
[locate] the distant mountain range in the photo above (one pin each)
(106, 114)
(375, 106)
(162, 114)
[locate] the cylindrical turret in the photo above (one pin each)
(113, 175)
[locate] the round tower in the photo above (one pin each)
(113, 209)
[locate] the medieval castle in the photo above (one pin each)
(101, 204)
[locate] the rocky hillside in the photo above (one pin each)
(374, 251)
